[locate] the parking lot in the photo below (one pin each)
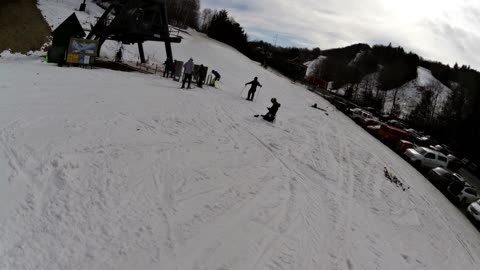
(434, 160)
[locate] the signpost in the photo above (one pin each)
(82, 51)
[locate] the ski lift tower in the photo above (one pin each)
(135, 21)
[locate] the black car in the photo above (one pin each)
(442, 178)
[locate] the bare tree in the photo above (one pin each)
(394, 103)
(206, 18)
(436, 88)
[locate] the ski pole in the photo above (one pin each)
(258, 93)
(243, 90)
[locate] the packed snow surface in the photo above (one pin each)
(111, 170)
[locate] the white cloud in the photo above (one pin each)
(443, 30)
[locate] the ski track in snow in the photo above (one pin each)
(114, 170)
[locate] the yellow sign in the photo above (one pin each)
(72, 58)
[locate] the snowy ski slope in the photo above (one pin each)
(112, 170)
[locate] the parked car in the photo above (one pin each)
(373, 130)
(462, 193)
(442, 178)
(440, 148)
(392, 135)
(413, 132)
(340, 104)
(384, 117)
(397, 124)
(473, 211)
(471, 166)
(371, 122)
(423, 157)
(454, 163)
(425, 140)
(403, 145)
(360, 116)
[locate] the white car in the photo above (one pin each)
(359, 115)
(463, 193)
(424, 157)
(473, 210)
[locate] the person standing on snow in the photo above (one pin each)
(168, 66)
(187, 73)
(201, 76)
(253, 88)
(173, 67)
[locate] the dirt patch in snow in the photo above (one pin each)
(22, 26)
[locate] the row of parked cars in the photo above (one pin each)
(436, 161)
(457, 190)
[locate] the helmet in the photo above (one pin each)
(273, 100)
(256, 78)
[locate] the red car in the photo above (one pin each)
(403, 145)
(373, 130)
(371, 122)
(392, 135)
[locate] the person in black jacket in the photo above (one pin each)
(272, 111)
(253, 88)
(168, 65)
(201, 74)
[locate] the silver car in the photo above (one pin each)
(473, 210)
(427, 158)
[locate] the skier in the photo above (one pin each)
(253, 88)
(168, 66)
(272, 111)
(216, 78)
(187, 73)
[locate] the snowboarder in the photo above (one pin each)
(253, 88)
(168, 66)
(272, 111)
(216, 78)
(187, 73)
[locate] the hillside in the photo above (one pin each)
(410, 93)
(22, 26)
(351, 64)
(114, 170)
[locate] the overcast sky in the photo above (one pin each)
(442, 30)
